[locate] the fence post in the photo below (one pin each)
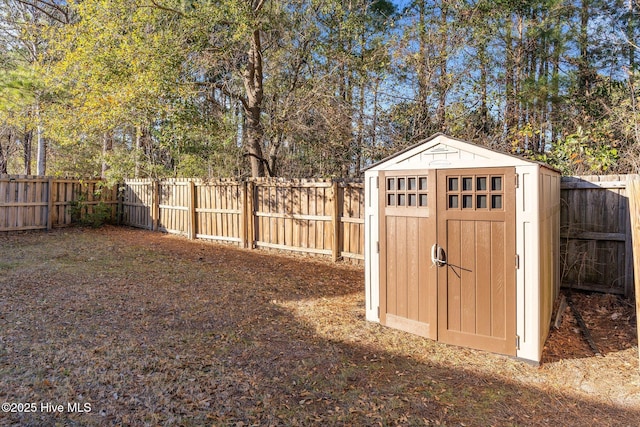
(155, 204)
(250, 213)
(335, 221)
(243, 214)
(50, 204)
(192, 210)
(119, 198)
(633, 192)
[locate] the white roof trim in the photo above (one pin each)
(442, 145)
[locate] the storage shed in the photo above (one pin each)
(462, 246)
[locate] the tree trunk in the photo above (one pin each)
(509, 78)
(42, 145)
(42, 152)
(422, 119)
(443, 81)
(555, 87)
(631, 45)
(107, 146)
(253, 83)
(484, 77)
(583, 42)
(4, 155)
(138, 151)
(26, 155)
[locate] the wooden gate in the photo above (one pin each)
(466, 219)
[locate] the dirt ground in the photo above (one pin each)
(117, 326)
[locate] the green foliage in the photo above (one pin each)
(579, 154)
(87, 213)
(18, 87)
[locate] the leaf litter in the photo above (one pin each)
(153, 329)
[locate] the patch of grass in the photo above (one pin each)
(5, 266)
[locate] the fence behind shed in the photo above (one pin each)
(596, 248)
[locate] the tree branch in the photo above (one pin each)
(165, 8)
(42, 6)
(262, 160)
(259, 5)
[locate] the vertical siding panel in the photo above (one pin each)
(392, 265)
(411, 245)
(425, 238)
(468, 273)
(498, 265)
(483, 278)
(453, 281)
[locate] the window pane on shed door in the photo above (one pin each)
(453, 184)
(481, 183)
(496, 183)
(411, 184)
(422, 183)
(391, 184)
(401, 183)
(412, 199)
(481, 202)
(496, 202)
(423, 200)
(391, 199)
(467, 184)
(467, 201)
(453, 202)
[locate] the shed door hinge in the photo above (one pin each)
(517, 181)
(378, 312)
(377, 182)
(378, 247)
(517, 262)
(517, 342)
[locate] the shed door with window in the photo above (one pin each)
(477, 286)
(408, 281)
(470, 213)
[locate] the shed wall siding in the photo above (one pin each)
(549, 250)
(372, 258)
(527, 276)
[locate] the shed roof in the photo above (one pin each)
(439, 145)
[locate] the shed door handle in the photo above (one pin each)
(438, 256)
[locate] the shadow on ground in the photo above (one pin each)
(152, 329)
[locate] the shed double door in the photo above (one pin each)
(469, 300)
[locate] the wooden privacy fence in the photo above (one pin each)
(313, 216)
(596, 245)
(33, 203)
